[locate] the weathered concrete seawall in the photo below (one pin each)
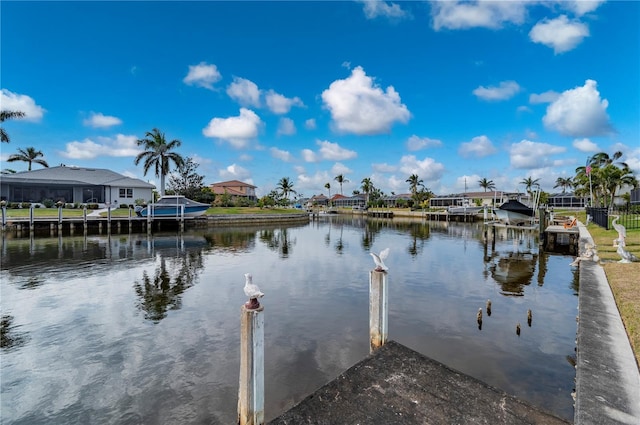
(246, 219)
(607, 376)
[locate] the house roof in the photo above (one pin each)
(232, 183)
(74, 176)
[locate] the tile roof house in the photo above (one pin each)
(74, 185)
(235, 188)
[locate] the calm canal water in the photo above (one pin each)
(133, 329)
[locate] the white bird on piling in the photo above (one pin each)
(252, 291)
(379, 260)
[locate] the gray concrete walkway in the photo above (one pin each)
(396, 385)
(607, 376)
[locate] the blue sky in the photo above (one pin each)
(256, 91)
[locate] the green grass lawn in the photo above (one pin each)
(623, 278)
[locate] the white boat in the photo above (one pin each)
(170, 206)
(514, 213)
(464, 208)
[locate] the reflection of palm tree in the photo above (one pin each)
(340, 244)
(164, 292)
(8, 337)
(277, 241)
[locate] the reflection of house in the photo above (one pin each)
(486, 198)
(235, 188)
(566, 200)
(73, 184)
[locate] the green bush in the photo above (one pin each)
(124, 206)
(13, 205)
(69, 206)
(25, 205)
(48, 203)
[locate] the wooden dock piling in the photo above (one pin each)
(251, 391)
(378, 309)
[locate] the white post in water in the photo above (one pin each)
(251, 391)
(378, 309)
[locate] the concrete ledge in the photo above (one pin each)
(396, 385)
(607, 377)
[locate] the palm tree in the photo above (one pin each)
(286, 187)
(341, 179)
(487, 184)
(29, 155)
(328, 187)
(415, 183)
(602, 158)
(7, 115)
(529, 182)
(158, 155)
(367, 187)
(564, 183)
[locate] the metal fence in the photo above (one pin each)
(603, 217)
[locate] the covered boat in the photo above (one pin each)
(514, 213)
(170, 206)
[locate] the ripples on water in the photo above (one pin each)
(134, 329)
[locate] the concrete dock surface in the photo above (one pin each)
(396, 385)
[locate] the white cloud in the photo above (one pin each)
(333, 151)
(315, 182)
(244, 91)
(546, 97)
(359, 106)
(580, 7)
(238, 131)
(479, 146)
(310, 124)
(340, 168)
(202, 75)
(470, 14)
(286, 127)
(585, 145)
(427, 169)
(529, 155)
(280, 104)
(10, 101)
(559, 33)
(384, 168)
(99, 120)
(309, 156)
(415, 143)
(523, 108)
(280, 154)
(579, 112)
(504, 91)
(235, 172)
(200, 160)
(121, 146)
(374, 8)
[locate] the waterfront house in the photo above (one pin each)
(80, 185)
(235, 189)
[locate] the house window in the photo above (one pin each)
(126, 193)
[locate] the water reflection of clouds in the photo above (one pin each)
(88, 336)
